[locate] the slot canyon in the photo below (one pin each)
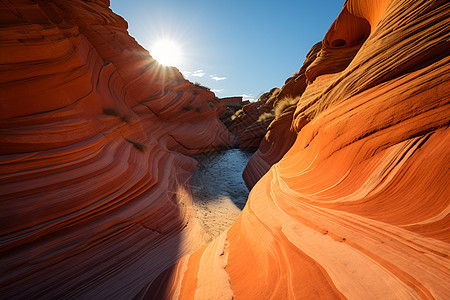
(121, 179)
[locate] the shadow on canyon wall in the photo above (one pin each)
(94, 182)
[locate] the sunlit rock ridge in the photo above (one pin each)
(357, 205)
(94, 180)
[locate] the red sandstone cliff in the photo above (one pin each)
(358, 207)
(95, 198)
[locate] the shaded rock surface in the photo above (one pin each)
(358, 206)
(95, 192)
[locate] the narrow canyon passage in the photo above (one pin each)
(219, 190)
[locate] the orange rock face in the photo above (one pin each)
(95, 198)
(358, 207)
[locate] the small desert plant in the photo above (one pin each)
(198, 84)
(114, 112)
(139, 146)
(111, 112)
(234, 107)
(266, 116)
(284, 103)
(237, 114)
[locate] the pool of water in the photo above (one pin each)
(218, 189)
(220, 174)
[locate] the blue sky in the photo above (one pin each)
(234, 47)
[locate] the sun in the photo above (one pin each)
(166, 52)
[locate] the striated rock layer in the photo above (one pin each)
(94, 189)
(358, 207)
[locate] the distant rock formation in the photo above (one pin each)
(94, 189)
(232, 100)
(250, 123)
(358, 206)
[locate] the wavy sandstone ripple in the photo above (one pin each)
(95, 195)
(358, 207)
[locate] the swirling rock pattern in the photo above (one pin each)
(358, 207)
(95, 192)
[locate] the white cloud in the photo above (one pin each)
(217, 78)
(217, 91)
(198, 73)
(248, 97)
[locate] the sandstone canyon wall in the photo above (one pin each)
(247, 125)
(254, 127)
(358, 206)
(94, 186)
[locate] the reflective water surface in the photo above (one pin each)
(218, 189)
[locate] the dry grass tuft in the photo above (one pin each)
(284, 103)
(237, 114)
(199, 85)
(267, 115)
